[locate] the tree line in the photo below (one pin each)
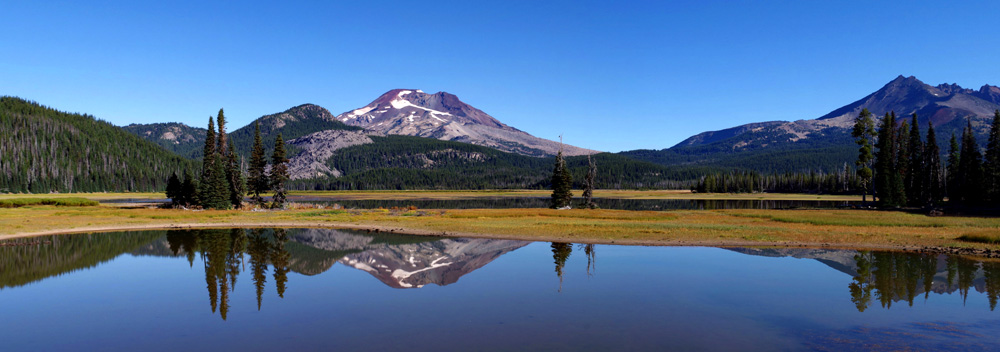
(224, 180)
(845, 181)
(44, 150)
(900, 168)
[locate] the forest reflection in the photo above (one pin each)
(267, 256)
(224, 254)
(889, 277)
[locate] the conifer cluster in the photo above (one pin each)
(224, 181)
(908, 170)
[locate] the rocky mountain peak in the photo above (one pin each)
(442, 115)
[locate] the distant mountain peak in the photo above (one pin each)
(444, 116)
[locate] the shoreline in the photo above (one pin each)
(664, 242)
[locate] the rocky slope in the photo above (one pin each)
(173, 136)
(443, 116)
(825, 143)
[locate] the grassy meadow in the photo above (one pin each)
(445, 195)
(840, 228)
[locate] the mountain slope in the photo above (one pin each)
(441, 115)
(825, 143)
(406, 162)
(173, 136)
(292, 123)
(46, 150)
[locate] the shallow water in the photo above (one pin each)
(325, 289)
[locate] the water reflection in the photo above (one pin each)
(877, 279)
(891, 277)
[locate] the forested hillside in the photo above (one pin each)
(826, 152)
(44, 150)
(404, 162)
(292, 123)
(177, 137)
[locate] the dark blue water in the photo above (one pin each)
(330, 289)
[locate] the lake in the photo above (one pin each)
(336, 289)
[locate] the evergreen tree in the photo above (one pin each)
(888, 181)
(174, 189)
(189, 189)
(257, 181)
(279, 173)
(953, 191)
(864, 131)
(970, 169)
(234, 176)
(219, 186)
(992, 161)
(223, 145)
(934, 190)
(588, 184)
(915, 190)
(207, 193)
(562, 183)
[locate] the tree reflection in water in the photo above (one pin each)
(223, 253)
(893, 276)
(561, 252)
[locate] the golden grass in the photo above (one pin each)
(844, 228)
(461, 194)
(616, 194)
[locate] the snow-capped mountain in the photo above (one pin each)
(443, 116)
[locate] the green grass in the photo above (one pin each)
(988, 238)
(63, 202)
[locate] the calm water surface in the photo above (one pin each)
(334, 289)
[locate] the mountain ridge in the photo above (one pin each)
(778, 146)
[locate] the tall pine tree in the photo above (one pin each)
(888, 181)
(992, 161)
(279, 173)
(205, 193)
(915, 191)
(234, 176)
(932, 180)
(562, 183)
(257, 181)
(223, 145)
(589, 182)
(970, 169)
(953, 191)
(863, 133)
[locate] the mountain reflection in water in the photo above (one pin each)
(880, 279)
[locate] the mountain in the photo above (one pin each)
(392, 162)
(292, 123)
(825, 143)
(411, 112)
(173, 136)
(45, 150)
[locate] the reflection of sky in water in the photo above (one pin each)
(639, 298)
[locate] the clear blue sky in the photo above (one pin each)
(609, 75)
